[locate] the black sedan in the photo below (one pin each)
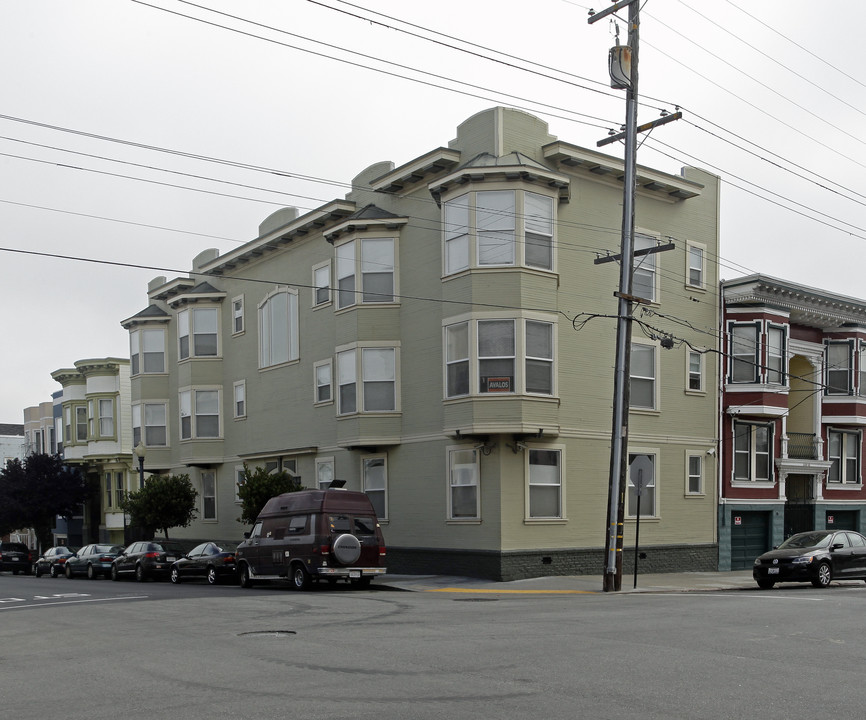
(52, 561)
(16, 557)
(818, 557)
(92, 561)
(211, 561)
(147, 559)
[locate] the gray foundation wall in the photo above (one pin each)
(517, 565)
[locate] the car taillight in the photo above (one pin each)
(106, 558)
(381, 551)
(60, 561)
(151, 555)
(324, 548)
(229, 559)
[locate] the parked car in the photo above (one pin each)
(212, 561)
(313, 535)
(818, 557)
(92, 561)
(16, 557)
(147, 559)
(52, 561)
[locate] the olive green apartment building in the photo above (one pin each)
(442, 339)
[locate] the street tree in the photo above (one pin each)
(36, 490)
(165, 501)
(257, 486)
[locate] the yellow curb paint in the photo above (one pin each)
(514, 592)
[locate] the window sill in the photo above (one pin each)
(647, 518)
(698, 393)
(191, 358)
(268, 368)
(545, 521)
(322, 306)
(644, 411)
(363, 305)
(696, 496)
(845, 487)
(201, 439)
(238, 333)
(463, 521)
(371, 413)
(164, 373)
(759, 484)
(239, 418)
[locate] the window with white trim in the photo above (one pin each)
(208, 496)
(377, 369)
(642, 389)
(373, 261)
(322, 375)
(544, 479)
(840, 367)
(322, 284)
(238, 315)
(648, 495)
(240, 399)
(147, 351)
(694, 474)
(105, 407)
(753, 452)
(464, 473)
(498, 228)
(777, 365)
(744, 344)
(644, 276)
(695, 269)
(81, 423)
(695, 371)
(197, 333)
(324, 472)
(240, 479)
(374, 474)
(278, 328)
(843, 451)
(499, 356)
(862, 360)
(199, 414)
(155, 432)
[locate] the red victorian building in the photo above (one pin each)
(793, 412)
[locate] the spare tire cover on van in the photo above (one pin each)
(347, 549)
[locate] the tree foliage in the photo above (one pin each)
(165, 501)
(35, 490)
(258, 486)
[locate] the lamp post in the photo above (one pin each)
(139, 452)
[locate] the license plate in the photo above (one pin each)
(170, 558)
(772, 571)
(354, 573)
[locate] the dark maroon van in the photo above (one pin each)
(313, 535)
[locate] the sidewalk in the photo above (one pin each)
(573, 584)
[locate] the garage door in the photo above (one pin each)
(750, 532)
(842, 520)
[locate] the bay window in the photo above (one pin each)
(149, 424)
(377, 369)
(147, 351)
(199, 414)
(744, 346)
(498, 228)
(753, 452)
(839, 362)
(197, 332)
(373, 261)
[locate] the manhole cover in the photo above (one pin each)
(268, 633)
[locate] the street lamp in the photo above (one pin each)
(139, 451)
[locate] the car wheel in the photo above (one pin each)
(174, 575)
(91, 573)
(245, 579)
(114, 574)
(212, 578)
(766, 584)
(53, 571)
(68, 572)
(37, 571)
(823, 576)
(139, 573)
(28, 571)
(300, 577)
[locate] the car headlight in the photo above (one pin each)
(757, 561)
(805, 560)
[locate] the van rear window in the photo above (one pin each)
(365, 526)
(340, 523)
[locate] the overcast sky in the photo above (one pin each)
(773, 96)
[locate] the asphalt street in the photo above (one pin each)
(100, 649)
